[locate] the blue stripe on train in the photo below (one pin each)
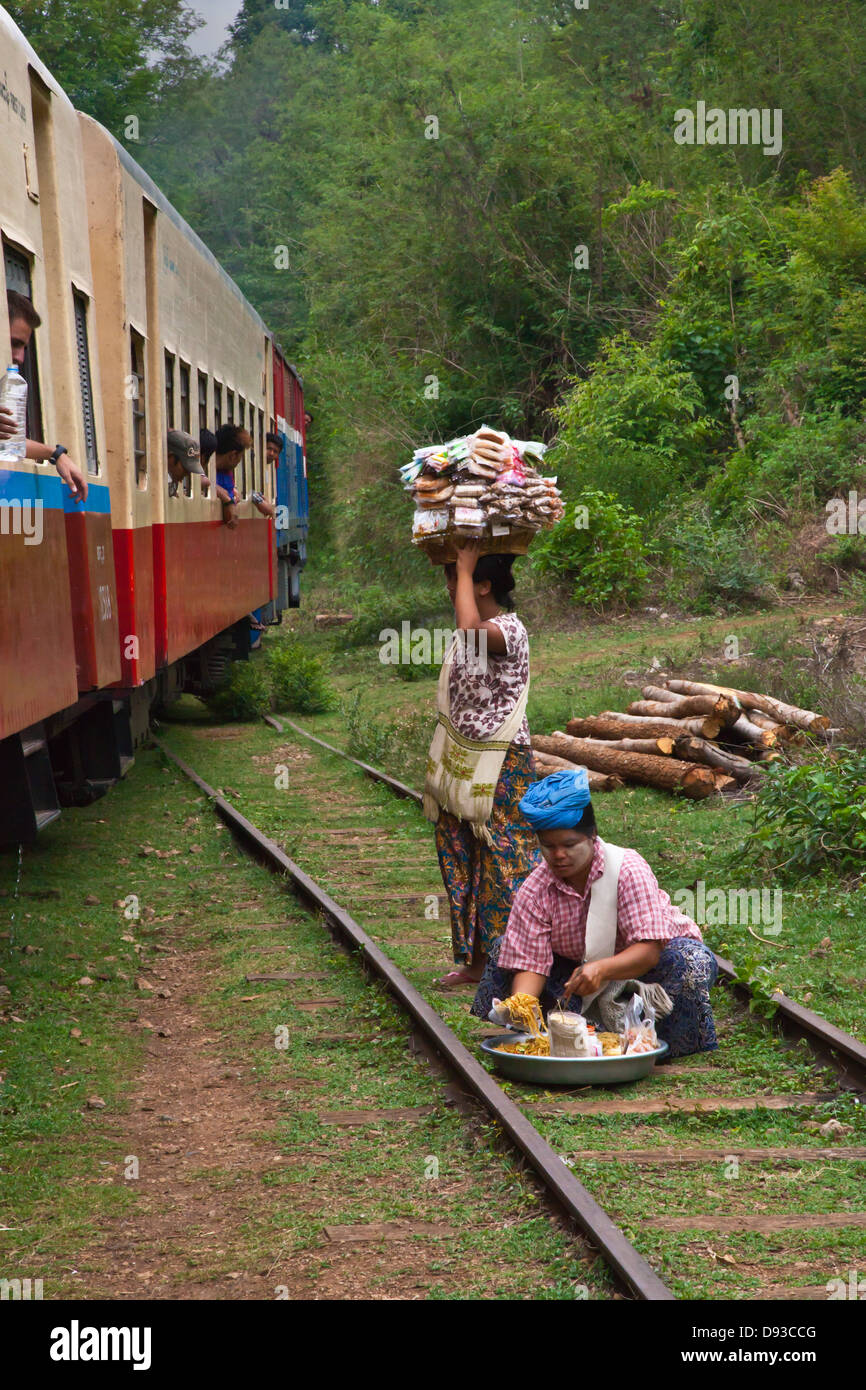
(51, 491)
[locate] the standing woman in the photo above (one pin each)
(480, 761)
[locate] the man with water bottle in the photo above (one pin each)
(23, 318)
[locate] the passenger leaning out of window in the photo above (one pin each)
(183, 459)
(273, 449)
(23, 318)
(231, 441)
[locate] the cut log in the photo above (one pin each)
(744, 731)
(719, 707)
(669, 774)
(777, 709)
(764, 721)
(598, 781)
(722, 779)
(657, 747)
(698, 750)
(659, 692)
(333, 619)
(610, 724)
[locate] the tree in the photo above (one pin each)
(293, 16)
(113, 58)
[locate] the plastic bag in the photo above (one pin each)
(639, 1031)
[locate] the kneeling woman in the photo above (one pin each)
(592, 913)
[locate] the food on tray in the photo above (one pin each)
(524, 1012)
(611, 1044)
(532, 1047)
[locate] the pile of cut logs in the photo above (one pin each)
(683, 736)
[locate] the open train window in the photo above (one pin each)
(139, 397)
(255, 470)
(169, 391)
(217, 405)
(183, 377)
(83, 349)
(184, 397)
(243, 467)
(18, 278)
(202, 401)
(264, 471)
(230, 407)
(256, 455)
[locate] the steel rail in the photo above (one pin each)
(374, 773)
(601, 1231)
(798, 1022)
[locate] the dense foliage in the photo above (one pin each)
(813, 816)
(454, 212)
(243, 695)
(600, 547)
(113, 58)
(297, 678)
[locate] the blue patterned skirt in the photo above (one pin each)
(686, 968)
(481, 879)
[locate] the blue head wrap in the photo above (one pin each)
(557, 801)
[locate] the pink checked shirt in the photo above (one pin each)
(549, 917)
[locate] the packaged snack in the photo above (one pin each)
(639, 1033)
(430, 523)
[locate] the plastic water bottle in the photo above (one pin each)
(13, 397)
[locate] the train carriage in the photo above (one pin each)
(136, 594)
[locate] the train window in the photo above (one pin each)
(264, 470)
(184, 397)
(139, 422)
(217, 405)
(257, 453)
(244, 490)
(17, 267)
(169, 391)
(183, 377)
(202, 401)
(83, 349)
(230, 407)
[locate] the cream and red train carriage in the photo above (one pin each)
(134, 594)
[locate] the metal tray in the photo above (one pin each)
(568, 1071)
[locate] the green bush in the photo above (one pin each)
(398, 745)
(813, 816)
(377, 607)
(298, 679)
(600, 545)
(243, 695)
(417, 671)
(716, 563)
(632, 427)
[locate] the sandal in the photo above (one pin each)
(455, 978)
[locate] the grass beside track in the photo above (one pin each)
(71, 1215)
(817, 958)
(375, 855)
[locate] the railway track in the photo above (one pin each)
(753, 1135)
(828, 1042)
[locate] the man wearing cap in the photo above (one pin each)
(593, 914)
(183, 459)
